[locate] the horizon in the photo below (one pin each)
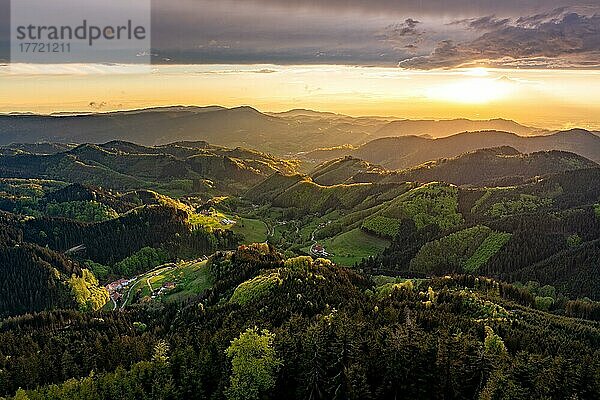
(548, 99)
(388, 118)
(534, 62)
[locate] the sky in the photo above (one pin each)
(534, 61)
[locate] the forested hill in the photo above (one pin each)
(300, 328)
(226, 274)
(70, 238)
(346, 170)
(515, 228)
(182, 168)
(410, 151)
(502, 166)
(545, 231)
(34, 278)
(443, 128)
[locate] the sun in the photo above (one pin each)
(471, 91)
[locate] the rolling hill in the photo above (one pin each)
(34, 278)
(410, 151)
(545, 230)
(467, 336)
(280, 133)
(443, 128)
(515, 213)
(241, 126)
(174, 168)
(500, 166)
(345, 170)
(302, 193)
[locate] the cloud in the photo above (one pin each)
(404, 35)
(237, 71)
(97, 105)
(509, 33)
(265, 71)
(416, 33)
(428, 7)
(560, 39)
(483, 23)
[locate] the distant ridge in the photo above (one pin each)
(409, 151)
(286, 133)
(443, 128)
(501, 166)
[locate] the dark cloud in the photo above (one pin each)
(567, 40)
(4, 30)
(406, 28)
(428, 7)
(242, 32)
(416, 33)
(483, 23)
(404, 35)
(265, 71)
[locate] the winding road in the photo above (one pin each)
(138, 279)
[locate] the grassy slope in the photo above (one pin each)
(253, 230)
(192, 278)
(351, 247)
(490, 246)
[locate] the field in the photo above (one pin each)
(190, 278)
(211, 221)
(352, 246)
(253, 230)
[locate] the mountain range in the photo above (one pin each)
(500, 166)
(281, 133)
(410, 151)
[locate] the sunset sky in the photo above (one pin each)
(534, 61)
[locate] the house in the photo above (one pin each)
(319, 250)
(116, 296)
(117, 285)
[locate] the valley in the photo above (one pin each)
(300, 200)
(487, 237)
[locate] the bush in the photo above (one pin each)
(543, 303)
(88, 295)
(300, 263)
(574, 240)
